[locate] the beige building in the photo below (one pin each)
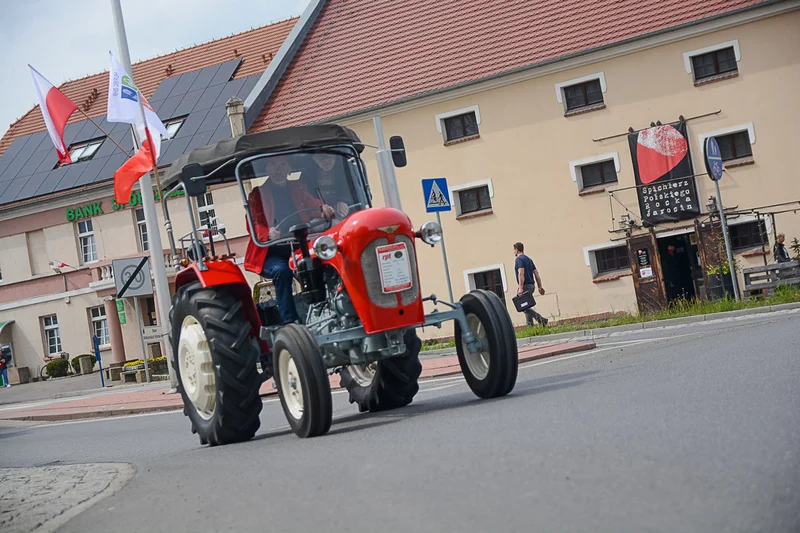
(534, 148)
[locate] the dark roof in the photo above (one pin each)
(302, 137)
(368, 54)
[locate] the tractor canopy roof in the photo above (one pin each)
(234, 150)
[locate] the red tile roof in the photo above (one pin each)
(256, 47)
(366, 53)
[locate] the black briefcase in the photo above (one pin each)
(524, 301)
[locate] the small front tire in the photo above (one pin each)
(302, 380)
(491, 372)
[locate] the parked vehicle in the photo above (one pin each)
(360, 298)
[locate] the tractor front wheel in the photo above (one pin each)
(386, 384)
(302, 381)
(492, 371)
(215, 357)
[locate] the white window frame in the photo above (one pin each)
(590, 258)
(173, 122)
(91, 242)
(583, 79)
(78, 151)
(687, 56)
(455, 189)
(748, 127)
(141, 230)
(102, 320)
(53, 327)
(205, 209)
(449, 114)
(575, 166)
(469, 279)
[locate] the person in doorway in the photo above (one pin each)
(779, 251)
(4, 371)
(527, 280)
(328, 182)
(273, 206)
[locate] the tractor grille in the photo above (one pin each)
(372, 277)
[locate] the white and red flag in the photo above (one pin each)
(56, 110)
(123, 106)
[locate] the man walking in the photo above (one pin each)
(779, 251)
(526, 273)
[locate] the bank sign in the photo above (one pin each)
(662, 166)
(94, 209)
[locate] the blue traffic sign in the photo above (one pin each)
(713, 159)
(437, 196)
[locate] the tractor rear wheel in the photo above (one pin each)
(492, 371)
(386, 384)
(302, 381)
(215, 357)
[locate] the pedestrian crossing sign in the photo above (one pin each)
(437, 196)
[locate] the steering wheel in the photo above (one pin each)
(283, 225)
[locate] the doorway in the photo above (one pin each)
(678, 266)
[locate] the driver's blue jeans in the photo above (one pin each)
(277, 269)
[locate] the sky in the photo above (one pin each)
(69, 39)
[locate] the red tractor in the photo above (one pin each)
(358, 294)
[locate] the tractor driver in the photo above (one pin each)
(275, 206)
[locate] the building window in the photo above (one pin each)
(714, 63)
(85, 151)
(460, 126)
(100, 325)
(584, 94)
(141, 228)
(474, 199)
(205, 210)
(490, 280)
(600, 173)
(611, 259)
(173, 126)
(748, 235)
(708, 63)
(86, 241)
(52, 336)
(734, 145)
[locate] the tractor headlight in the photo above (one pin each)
(430, 233)
(325, 248)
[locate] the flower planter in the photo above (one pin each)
(720, 285)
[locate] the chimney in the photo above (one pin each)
(235, 109)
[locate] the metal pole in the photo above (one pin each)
(391, 194)
(149, 205)
(141, 337)
(721, 209)
(444, 256)
(96, 343)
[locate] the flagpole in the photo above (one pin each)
(108, 136)
(148, 202)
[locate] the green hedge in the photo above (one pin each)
(58, 368)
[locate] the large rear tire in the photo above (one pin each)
(214, 358)
(492, 372)
(302, 381)
(386, 384)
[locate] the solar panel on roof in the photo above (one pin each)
(15, 167)
(15, 147)
(33, 184)
(167, 109)
(175, 148)
(222, 132)
(84, 177)
(212, 120)
(72, 130)
(184, 83)
(11, 192)
(119, 126)
(231, 88)
(163, 89)
(34, 161)
(187, 103)
(112, 164)
(249, 83)
(204, 77)
(225, 71)
(201, 139)
(49, 161)
(87, 132)
(50, 183)
(34, 140)
(95, 170)
(191, 124)
(208, 98)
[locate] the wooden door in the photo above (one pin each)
(648, 280)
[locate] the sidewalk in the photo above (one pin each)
(145, 401)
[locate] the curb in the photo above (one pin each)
(111, 413)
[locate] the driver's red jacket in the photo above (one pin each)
(262, 210)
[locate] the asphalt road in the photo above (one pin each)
(692, 429)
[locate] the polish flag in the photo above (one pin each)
(134, 168)
(56, 110)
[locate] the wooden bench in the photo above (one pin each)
(763, 279)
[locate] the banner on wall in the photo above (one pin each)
(662, 166)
